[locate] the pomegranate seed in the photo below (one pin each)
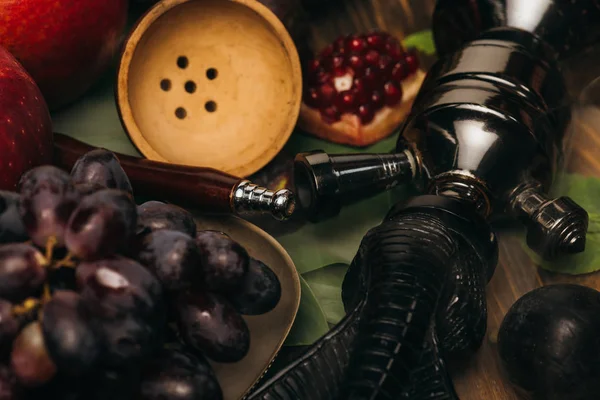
(330, 114)
(327, 93)
(357, 44)
(365, 113)
(376, 41)
(312, 98)
(412, 61)
(359, 84)
(372, 57)
(327, 51)
(340, 44)
(371, 78)
(400, 71)
(355, 62)
(394, 49)
(322, 76)
(377, 100)
(345, 101)
(360, 96)
(340, 71)
(385, 64)
(392, 93)
(313, 66)
(336, 61)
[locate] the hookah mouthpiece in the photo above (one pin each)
(324, 183)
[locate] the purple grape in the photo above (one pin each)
(117, 287)
(260, 291)
(101, 167)
(85, 189)
(47, 200)
(209, 324)
(29, 359)
(125, 301)
(22, 271)
(102, 224)
(127, 341)
(224, 261)
(176, 375)
(69, 336)
(9, 389)
(173, 257)
(9, 325)
(11, 225)
(154, 215)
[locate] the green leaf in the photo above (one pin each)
(422, 41)
(586, 192)
(94, 119)
(326, 284)
(310, 323)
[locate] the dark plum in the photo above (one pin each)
(101, 167)
(224, 261)
(155, 215)
(29, 359)
(47, 200)
(9, 389)
(260, 292)
(117, 287)
(69, 336)
(11, 225)
(176, 375)
(548, 343)
(22, 271)
(173, 257)
(209, 324)
(102, 224)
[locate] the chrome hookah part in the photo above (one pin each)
(486, 119)
(248, 197)
(324, 183)
(554, 226)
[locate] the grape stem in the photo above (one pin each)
(47, 294)
(25, 307)
(65, 262)
(50, 244)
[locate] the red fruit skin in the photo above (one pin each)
(64, 45)
(25, 125)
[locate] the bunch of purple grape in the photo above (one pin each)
(104, 299)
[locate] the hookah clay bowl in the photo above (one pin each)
(268, 331)
(210, 83)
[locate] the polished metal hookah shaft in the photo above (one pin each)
(484, 140)
(487, 127)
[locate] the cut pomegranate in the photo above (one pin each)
(359, 89)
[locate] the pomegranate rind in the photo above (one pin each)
(350, 131)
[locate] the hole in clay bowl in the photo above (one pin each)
(210, 106)
(165, 85)
(256, 63)
(180, 113)
(211, 73)
(182, 62)
(190, 87)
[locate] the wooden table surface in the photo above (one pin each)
(479, 378)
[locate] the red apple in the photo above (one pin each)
(64, 44)
(25, 126)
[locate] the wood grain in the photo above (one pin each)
(480, 377)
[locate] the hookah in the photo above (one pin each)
(484, 141)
